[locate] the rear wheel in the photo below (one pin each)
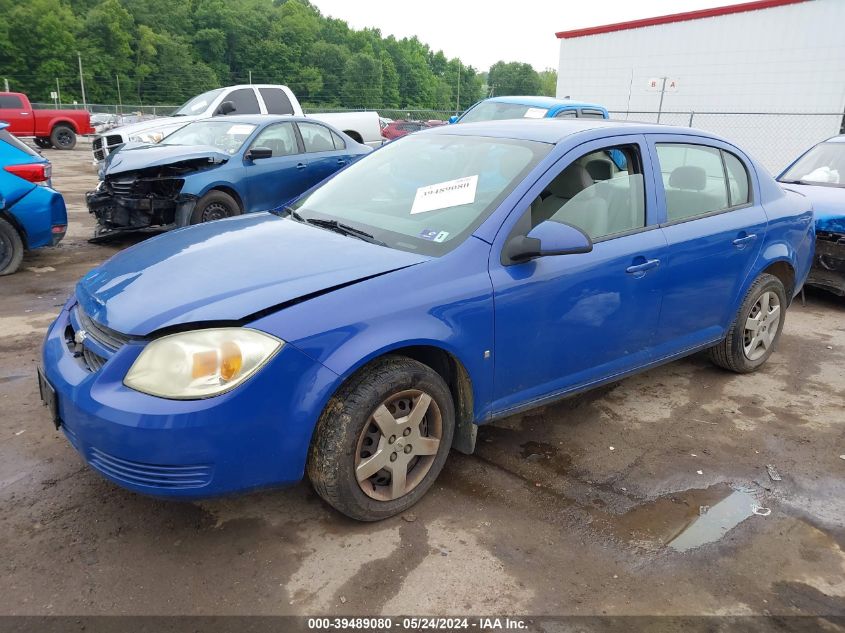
(63, 137)
(756, 328)
(11, 248)
(215, 205)
(43, 142)
(382, 439)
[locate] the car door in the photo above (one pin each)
(714, 227)
(273, 181)
(568, 321)
(321, 155)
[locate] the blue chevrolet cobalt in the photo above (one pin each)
(451, 278)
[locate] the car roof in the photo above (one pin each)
(556, 130)
(543, 102)
(257, 119)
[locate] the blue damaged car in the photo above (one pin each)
(453, 277)
(216, 168)
(32, 213)
(819, 174)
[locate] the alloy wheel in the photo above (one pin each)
(398, 445)
(761, 326)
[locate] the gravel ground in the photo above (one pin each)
(651, 496)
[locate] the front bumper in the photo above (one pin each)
(828, 271)
(116, 212)
(255, 436)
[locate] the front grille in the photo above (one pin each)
(94, 362)
(121, 187)
(150, 475)
(97, 148)
(113, 140)
(103, 335)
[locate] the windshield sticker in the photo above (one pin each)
(441, 237)
(433, 235)
(534, 113)
(237, 130)
(443, 195)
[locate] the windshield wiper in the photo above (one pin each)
(288, 212)
(343, 229)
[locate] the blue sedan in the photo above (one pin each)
(451, 278)
(217, 168)
(32, 213)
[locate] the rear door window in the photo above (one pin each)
(276, 100)
(316, 138)
(244, 100)
(566, 114)
(693, 180)
(591, 113)
(10, 102)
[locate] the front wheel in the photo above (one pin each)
(63, 137)
(756, 328)
(215, 205)
(382, 439)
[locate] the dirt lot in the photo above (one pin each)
(569, 509)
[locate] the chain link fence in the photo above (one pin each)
(773, 138)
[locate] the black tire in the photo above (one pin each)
(43, 142)
(347, 419)
(63, 137)
(215, 205)
(11, 248)
(730, 353)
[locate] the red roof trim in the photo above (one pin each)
(677, 17)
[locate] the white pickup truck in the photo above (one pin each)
(243, 99)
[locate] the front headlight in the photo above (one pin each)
(202, 363)
(150, 136)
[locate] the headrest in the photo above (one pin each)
(688, 177)
(571, 181)
(599, 169)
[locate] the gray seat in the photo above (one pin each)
(573, 200)
(685, 195)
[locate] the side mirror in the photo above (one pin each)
(546, 239)
(257, 153)
(453, 118)
(227, 107)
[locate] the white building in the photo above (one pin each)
(736, 70)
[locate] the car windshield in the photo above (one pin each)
(822, 165)
(496, 111)
(424, 193)
(198, 103)
(227, 136)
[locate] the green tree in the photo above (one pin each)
(362, 83)
(513, 78)
(548, 82)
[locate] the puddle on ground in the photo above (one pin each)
(716, 521)
(688, 519)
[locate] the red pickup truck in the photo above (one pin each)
(51, 128)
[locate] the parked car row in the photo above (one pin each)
(452, 277)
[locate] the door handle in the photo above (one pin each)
(644, 266)
(300, 165)
(742, 242)
(341, 161)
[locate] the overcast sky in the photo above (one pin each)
(481, 34)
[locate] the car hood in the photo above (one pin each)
(132, 157)
(828, 205)
(169, 123)
(227, 271)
